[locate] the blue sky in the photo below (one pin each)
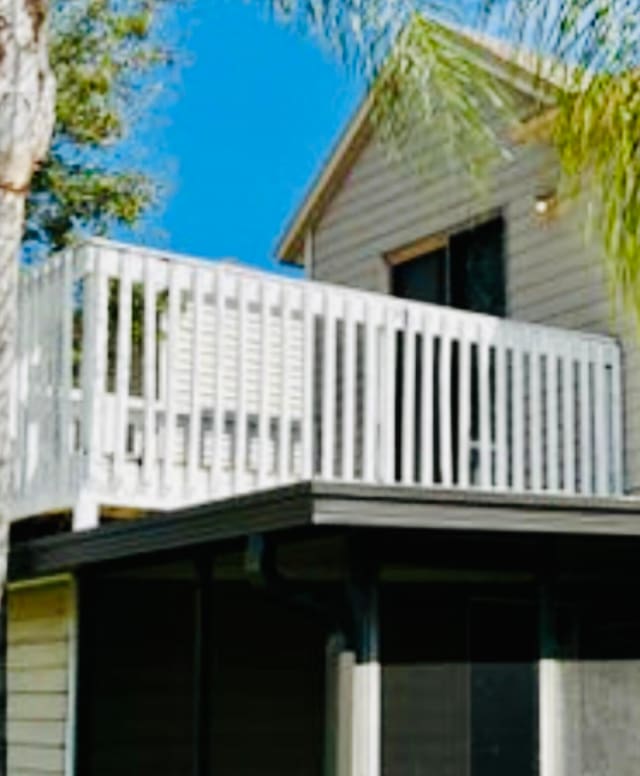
(255, 114)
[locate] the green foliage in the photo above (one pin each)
(596, 131)
(108, 57)
(104, 51)
(595, 127)
(431, 82)
(597, 134)
(580, 57)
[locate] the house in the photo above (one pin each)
(395, 525)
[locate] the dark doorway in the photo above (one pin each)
(136, 679)
(267, 686)
(138, 699)
(459, 685)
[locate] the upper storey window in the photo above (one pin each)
(463, 269)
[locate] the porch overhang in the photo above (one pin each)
(317, 505)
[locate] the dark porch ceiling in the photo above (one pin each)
(315, 505)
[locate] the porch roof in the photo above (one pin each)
(321, 504)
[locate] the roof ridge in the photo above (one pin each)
(545, 67)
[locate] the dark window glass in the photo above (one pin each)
(422, 279)
(468, 273)
(477, 269)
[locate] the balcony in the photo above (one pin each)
(149, 382)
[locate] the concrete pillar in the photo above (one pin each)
(366, 681)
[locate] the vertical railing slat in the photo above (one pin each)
(172, 334)
(600, 403)
(518, 415)
(35, 381)
(47, 450)
(308, 374)
(265, 382)
(150, 400)
(464, 405)
(66, 371)
(284, 458)
(617, 409)
(47, 413)
(55, 373)
(389, 403)
(446, 447)
(349, 394)
(123, 362)
(585, 422)
(34, 410)
(241, 425)
(553, 416)
(218, 420)
(484, 376)
(21, 386)
(427, 435)
(328, 389)
(501, 443)
(27, 327)
(48, 471)
(409, 402)
(568, 421)
(535, 410)
(371, 382)
(94, 360)
(195, 409)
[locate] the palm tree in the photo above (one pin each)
(584, 57)
(408, 50)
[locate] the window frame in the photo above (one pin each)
(418, 248)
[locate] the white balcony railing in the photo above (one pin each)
(152, 382)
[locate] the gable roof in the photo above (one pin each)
(531, 74)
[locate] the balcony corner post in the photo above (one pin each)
(86, 514)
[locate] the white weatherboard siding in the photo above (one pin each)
(39, 679)
(553, 277)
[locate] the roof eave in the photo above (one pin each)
(291, 243)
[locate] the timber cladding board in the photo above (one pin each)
(38, 665)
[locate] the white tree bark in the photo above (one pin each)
(27, 107)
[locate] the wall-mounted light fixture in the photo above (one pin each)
(545, 203)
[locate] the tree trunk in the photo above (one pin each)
(27, 107)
